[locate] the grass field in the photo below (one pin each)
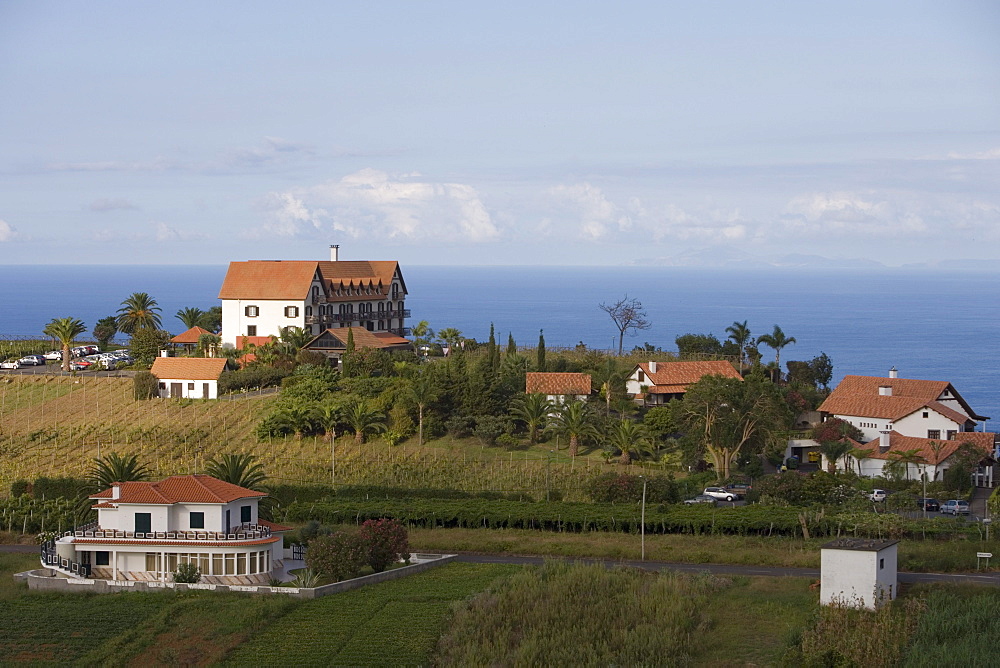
(57, 425)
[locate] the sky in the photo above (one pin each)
(542, 133)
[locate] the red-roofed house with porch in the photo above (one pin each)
(930, 409)
(188, 340)
(656, 383)
(188, 377)
(558, 387)
(263, 297)
(936, 455)
(145, 530)
(333, 342)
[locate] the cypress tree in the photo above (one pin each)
(511, 346)
(540, 362)
(494, 352)
(347, 366)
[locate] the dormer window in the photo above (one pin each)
(251, 311)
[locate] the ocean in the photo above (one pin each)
(929, 325)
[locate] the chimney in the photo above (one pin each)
(883, 442)
(334, 252)
(885, 390)
(893, 373)
(652, 366)
(116, 491)
(164, 353)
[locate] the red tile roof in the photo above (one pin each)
(859, 396)
(391, 338)
(292, 279)
(195, 488)
(336, 339)
(557, 383)
(273, 526)
(898, 443)
(188, 368)
(190, 336)
(674, 377)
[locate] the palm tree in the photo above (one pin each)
(190, 316)
(739, 334)
(296, 338)
(363, 420)
(138, 311)
(422, 392)
(574, 420)
(859, 455)
(776, 340)
(611, 380)
(937, 447)
(65, 330)
(298, 418)
(533, 409)
(240, 469)
(630, 438)
(904, 458)
(834, 450)
(114, 468)
(451, 337)
(328, 416)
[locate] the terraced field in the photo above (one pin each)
(54, 426)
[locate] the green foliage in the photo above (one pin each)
(540, 352)
(145, 386)
(307, 578)
(105, 330)
(238, 469)
(19, 488)
(138, 311)
(147, 343)
(64, 330)
(253, 377)
(338, 556)
(113, 468)
(187, 573)
(704, 345)
(624, 488)
(489, 428)
(387, 542)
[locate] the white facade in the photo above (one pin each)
(858, 573)
(260, 317)
(188, 389)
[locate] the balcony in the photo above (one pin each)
(356, 317)
(242, 532)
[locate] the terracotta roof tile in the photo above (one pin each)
(859, 396)
(273, 526)
(898, 443)
(195, 488)
(557, 383)
(674, 377)
(188, 368)
(390, 338)
(266, 279)
(190, 336)
(362, 339)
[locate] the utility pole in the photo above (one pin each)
(643, 519)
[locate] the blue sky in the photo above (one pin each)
(515, 133)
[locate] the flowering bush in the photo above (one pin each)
(387, 542)
(339, 555)
(188, 573)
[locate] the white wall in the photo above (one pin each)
(917, 425)
(269, 321)
(853, 577)
(186, 392)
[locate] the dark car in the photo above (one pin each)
(701, 498)
(930, 505)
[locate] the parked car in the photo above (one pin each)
(701, 498)
(955, 507)
(10, 364)
(720, 493)
(878, 495)
(79, 365)
(32, 360)
(930, 505)
(53, 355)
(739, 489)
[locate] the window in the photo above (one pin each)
(291, 311)
(642, 376)
(926, 414)
(190, 386)
(881, 564)
(197, 520)
(309, 310)
(253, 562)
(951, 434)
(245, 514)
(102, 558)
(251, 311)
(163, 386)
(216, 564)
(143, 523)
(152, 561)
(251, 330)
(933, 433)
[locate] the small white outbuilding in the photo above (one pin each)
(188, 377)
(859, 573)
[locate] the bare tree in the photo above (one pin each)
(628, 316)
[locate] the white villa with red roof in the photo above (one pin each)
(656, 383)
(145, 530)
(260, 298)
(558, 387)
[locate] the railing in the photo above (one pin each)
(243, 532)
(400, 331)
(49, 557)
(357, 317)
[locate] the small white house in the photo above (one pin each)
(189, 377)
(558, 387)
(858, 573)
(145, 530)
(656, 383)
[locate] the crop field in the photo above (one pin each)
(55, 426)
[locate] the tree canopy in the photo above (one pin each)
(628, 316)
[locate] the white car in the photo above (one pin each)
(53, 355)
(720, 493)
(10, 364)
(878, 495)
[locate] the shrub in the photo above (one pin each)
(145, 386)
(54, 488)
(508, 441)
(460, 426)
(250, 378)
(20, 488)
(386, 541)
(620, 487)
(339, 555)
(187, 573)
(489, 428)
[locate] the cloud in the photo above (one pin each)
(166, 233)
(109, 204)
(7, 231)
(598, 216)
(373, 204)
(991, 154)
(861, 215)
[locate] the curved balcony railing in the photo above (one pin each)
(242, 532)
(49, 557)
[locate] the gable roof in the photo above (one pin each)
(983, 440)
(674, 377)
(537, 382)
(859, 396)
(292, 279)
(195, 488)
(336, 339)
(188, 368)
(190, 336)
